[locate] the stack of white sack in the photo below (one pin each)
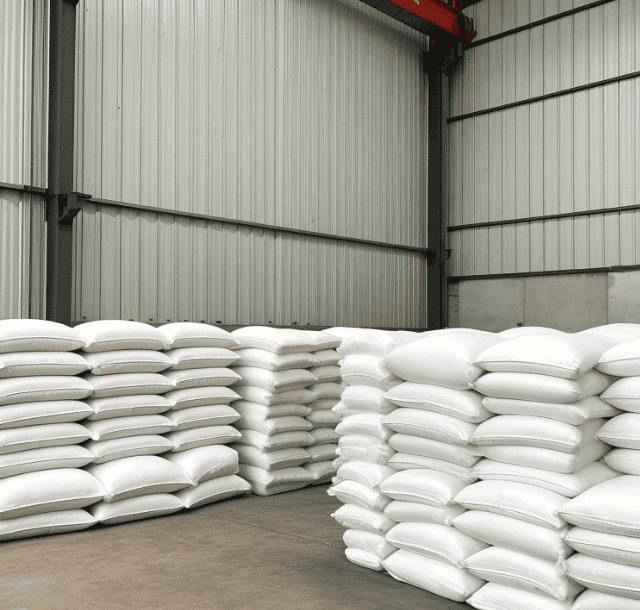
(606, 537)
(540, 449)
(127, 424)
(436, 417)
(42, 487)
(328, 390)
(607, 516)
(274, 390)
(363, 446)
(203, 419)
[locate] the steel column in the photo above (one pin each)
(62, 47)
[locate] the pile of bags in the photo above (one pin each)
(159, 392)
(533, 414)
(43, 488)
(279, 397)
(606, 517)
(433, 427)
(200, 411)
(363, 446)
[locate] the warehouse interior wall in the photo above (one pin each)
(23, 160)
(303, 114)
(544, 170)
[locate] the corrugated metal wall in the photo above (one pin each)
(22, 255)
(570, 153)
(23, 161)
(307, 114)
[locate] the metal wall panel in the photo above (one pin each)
(159, 268)
(23, 103)
(22, 255)
(300, 113)
(571, 153)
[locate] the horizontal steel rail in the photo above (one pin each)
(23, 188)
(257, 225)
(504, 276)
(529, 219)
(535, 24)
(547, 96)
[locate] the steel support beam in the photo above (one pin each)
(62, 48)
(436, 284)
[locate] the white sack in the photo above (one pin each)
(434, 426)
(46, 412)
(262, 359)
(542, 388)
(605, 576)
(130, 446)
(518, 500)
(611, 507)
(514, 534)
(125, 384)
(125, 406)
(26, 335)
(201, 377)
(18, 390)
(276, 340)
(498, 597)
(358, 518)
(33, 364)
(531, 431)
(412, 512)
(45, 524)
(135, 425)
(271, 460)
(568, 356)
(414, 445)
(204, 463)
(513, 569)
(111, 335)
(546, 459)
(465, 405)
(200, 437)
(432, 575)
(276, 442)
(199, 417)
(134, 509)
(128, 361)
(609, 547)
(441, 542)
(214, 490)
(568, 485)
(422, 486)
(594, 600)
(46, 458)
(626, 461)
(444, 357)
(193, 334)
(575, 413)
(46, 491)
(201, 357)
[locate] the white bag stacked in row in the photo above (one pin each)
(328, 390)
(363, 446)
(203, 419)
(275, 393)
(42, 487)
(436, 419)
(606, 517)
(540, 449)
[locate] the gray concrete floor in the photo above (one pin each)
(280, 552)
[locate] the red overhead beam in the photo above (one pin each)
(433, 17)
